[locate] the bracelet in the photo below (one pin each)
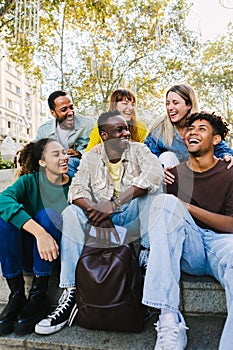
(117, 203)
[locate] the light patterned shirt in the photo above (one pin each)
(139, 167)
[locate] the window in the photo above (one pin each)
(8, 67)
(28, 97)
(18, 74)
(17, 107)
(12, 70)
(8, 85)
(17, 90)
(15, 72)
(9, 125)
(9, 104)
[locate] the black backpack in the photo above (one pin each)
(109, 289)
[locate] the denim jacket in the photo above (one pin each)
(157, 146)
(77, 139)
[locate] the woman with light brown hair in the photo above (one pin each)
(166, 136)
(124, 101)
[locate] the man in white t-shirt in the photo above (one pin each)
(70, 129)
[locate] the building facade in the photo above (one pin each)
(20, 103)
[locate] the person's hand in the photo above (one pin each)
(73, 153)
(103, 232)
(99, 216)
(99, 212)
(169, 178)
(98, 148)
(47, 247)
(229, 159)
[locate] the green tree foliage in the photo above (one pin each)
(5, 7)
(214, 78)
(139, 46)
(93, 47)
(6, 164)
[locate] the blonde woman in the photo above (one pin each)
(166, 136)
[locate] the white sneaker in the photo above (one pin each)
(170, 334)
(59, 317)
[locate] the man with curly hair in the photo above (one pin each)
(194, 231)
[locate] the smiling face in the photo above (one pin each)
(54, 159)
(64, 112)
(200, 138)
(116, 134)
(177, 109)
(126, 108)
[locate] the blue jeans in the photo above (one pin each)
(73, 164)
(18, 248)
(134, 217)
(177, 243)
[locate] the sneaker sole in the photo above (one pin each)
(50, 329)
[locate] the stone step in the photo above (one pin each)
(200, 295)
(203, 334)
(203, 304)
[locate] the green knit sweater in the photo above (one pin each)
(28, 195)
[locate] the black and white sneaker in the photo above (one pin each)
(59, 317)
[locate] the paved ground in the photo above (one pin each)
(6, 178)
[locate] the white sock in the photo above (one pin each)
(166, 310)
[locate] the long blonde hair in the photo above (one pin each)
(166, 128)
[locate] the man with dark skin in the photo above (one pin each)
(112, 188)
(69, 129)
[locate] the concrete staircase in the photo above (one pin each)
(202, 302)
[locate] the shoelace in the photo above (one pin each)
(143, 257)
(63, 303)
(167, 336)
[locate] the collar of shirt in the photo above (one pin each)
(124, 156)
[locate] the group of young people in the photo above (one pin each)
(119, 181)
